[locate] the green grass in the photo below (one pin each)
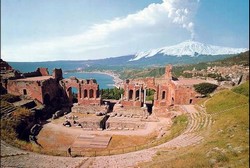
(242, 89)
(225, 100)
(225, 144)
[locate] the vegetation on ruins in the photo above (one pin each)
(150, 95)
(9, 98)
(13, 127)
(205, 88)
(226, 144)
(113, 93)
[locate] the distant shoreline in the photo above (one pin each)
(117, 81)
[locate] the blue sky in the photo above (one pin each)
(42, 30)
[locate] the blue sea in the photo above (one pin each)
(104, 81)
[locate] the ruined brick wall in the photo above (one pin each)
(57, 74)
(88, 90)
(43, 71)
(28, 88)
(38, 72)
(35, 89)
(168, 72)
(185, 95)
(50, 88)
(167, 92)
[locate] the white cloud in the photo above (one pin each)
(169, 19)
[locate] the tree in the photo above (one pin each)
(113, 93)
(205, 88)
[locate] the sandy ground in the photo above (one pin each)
(150, 128)
(54, 132)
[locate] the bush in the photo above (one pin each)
(205, 88)
(113, 93)
(10, 98)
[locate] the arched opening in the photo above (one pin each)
(163, 96)
(172, 101)
(24, 92)
(73, 94)
(137, 95)
(46, 99)
(130, 95)
(150, 94)
(91, 93)
(85, 93)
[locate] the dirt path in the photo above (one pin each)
(197, 120)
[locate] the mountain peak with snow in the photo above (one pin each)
(189, 48)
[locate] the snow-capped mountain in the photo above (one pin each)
(189, 48)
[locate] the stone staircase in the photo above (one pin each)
(6, 109)
(198, 121)
(7, 150)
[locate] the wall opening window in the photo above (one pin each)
(24, 92)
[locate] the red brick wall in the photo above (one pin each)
(32, 88)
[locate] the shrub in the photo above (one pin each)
(205, 88)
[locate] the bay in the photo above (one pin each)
(105, 81)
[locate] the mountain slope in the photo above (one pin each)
(188, 48)
(188, 52)
(239, 59)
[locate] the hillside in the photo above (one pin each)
(225, 144)
(240, 59)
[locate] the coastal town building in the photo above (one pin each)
(225, 75)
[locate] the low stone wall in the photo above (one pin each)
(122, 123)
(93, 122)
(89, 109)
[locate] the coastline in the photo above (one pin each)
(118, 83)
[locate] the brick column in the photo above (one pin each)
(134, 94)
(144, 98)
(140, 94)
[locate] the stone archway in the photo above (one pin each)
(85, 93)
(91, 93)
(163, 95)
(73, 94)
(130, 94)
(149, 99)
(137, 95)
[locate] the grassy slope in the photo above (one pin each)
(225, 144)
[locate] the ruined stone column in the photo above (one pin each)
(140, 94)
(127, 97)
(79, 92)
(145, 94)
(134, 94)
(94, 94)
